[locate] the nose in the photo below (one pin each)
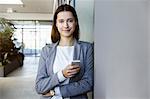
(66, 24)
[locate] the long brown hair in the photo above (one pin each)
(55, 35)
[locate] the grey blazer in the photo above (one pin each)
(78, 85)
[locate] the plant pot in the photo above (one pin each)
(1, 71)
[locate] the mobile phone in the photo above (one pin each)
(75, 62)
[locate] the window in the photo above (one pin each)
(33, 35)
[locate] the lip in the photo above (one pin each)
(66, 30)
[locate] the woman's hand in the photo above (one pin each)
(47, 95)
(70, 71)
(50, 93)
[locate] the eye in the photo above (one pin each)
(70, 20)
(61, 21)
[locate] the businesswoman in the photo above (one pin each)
(57, 77)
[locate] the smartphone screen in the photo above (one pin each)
(75, 62)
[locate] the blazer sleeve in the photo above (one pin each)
(44, 82)
(86, 83)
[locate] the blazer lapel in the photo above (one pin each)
(51, 58)
(77, 52)
(76, 55)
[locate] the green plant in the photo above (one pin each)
(7, 47)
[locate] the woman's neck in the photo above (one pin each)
(66, 42)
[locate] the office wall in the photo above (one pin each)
(121, 49)
(148, 3)
(85, 11)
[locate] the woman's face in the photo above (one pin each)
(65, 23)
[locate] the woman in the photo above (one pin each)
(57, 77)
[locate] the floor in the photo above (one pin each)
(20, 83)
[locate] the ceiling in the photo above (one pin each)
(30, 6)
(30, 10)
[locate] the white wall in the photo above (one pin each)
(85, 11)
(121, 49)
(149, 46)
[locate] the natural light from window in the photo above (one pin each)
(11, 2)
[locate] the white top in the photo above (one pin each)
(64, 56)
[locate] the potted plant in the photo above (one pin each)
(1, 70)
(8, 50)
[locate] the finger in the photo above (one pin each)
(70, 76)
(47, 94)
(71, 70)
(70, 67)
(74, 67)
(72, 73)
(74, 70)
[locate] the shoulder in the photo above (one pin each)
(85, 44)
(48, 48)
(87, 48)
